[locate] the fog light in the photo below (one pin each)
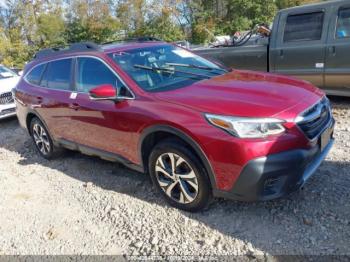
(274, 185)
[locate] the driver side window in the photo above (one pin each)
(343, 25)
(92, 73)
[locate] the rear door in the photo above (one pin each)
(54, 97)
(337, 74)
(300, 47)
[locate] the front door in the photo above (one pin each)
(300, 45)
(337, 74)
(101, 125)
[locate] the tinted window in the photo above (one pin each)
(304, 27)
(35, 75)
(93, 73)
(343, 27)
(58, 75)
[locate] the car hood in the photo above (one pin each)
(246, 94)
(7, 84)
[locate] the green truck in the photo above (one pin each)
(311, 42)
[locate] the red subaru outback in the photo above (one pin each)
(198, 129)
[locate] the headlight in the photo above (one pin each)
(247, 127)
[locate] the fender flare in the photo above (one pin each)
(185, 137)
(33, 112)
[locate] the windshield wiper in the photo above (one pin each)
(196, 66)
(171, 70)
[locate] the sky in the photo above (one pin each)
(2, 2)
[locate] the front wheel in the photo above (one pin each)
(179, 176)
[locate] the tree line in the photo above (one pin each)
(27, 26)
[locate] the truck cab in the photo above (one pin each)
(310, 42)
(313, 43)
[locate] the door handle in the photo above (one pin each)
(332, 50)
(74, 106)
(281, 53)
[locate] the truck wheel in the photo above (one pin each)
(179, 176)
(43, 141)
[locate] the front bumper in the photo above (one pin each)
(8, 110)
(276, 175)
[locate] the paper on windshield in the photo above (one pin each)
(183, 53)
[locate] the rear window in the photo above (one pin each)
(34, 76)
(58, 75)
(304, 27)
(343, 26)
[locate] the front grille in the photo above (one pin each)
(314, 120)
(6, 98)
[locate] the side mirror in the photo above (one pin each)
(104, 92)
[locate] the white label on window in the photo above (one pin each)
(319, 65)
(73, 95)
(183, 53)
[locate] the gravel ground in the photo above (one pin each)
(84, 205)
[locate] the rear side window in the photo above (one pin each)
(34, 76)
(93, 73)
(304, 27)
(343, 25)
(58, 75)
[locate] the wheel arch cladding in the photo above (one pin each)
(154, 134)
(29, 118)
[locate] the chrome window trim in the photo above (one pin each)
(75, 91)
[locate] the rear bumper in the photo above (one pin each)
(8, 110)
(276, 175)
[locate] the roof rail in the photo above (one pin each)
(135, 39)
(83, 46)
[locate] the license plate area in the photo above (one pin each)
(325, 138)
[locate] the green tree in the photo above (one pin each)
(91, 21)
(28, 26)
(51, 29)
(132, 15)
(161, 26)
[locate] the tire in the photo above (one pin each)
(188, 188)
(43, 141)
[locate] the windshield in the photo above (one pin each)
(166, 67)
(6, 73)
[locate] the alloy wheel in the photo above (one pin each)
(41, 139)
(176, 178)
